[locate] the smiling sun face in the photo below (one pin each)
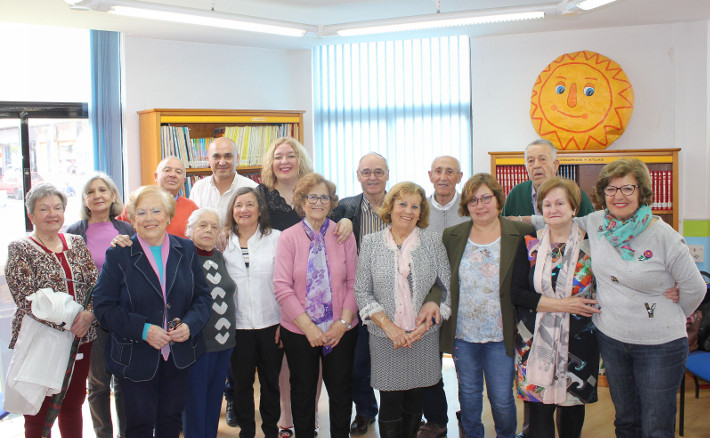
(582, 100)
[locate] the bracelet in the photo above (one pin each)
(382, 320)
(520, 218)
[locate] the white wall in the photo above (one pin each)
(668, 69)
(175, 74)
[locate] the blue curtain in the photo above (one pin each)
(408, 100)
(105, 106)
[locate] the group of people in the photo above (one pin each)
(363, 293)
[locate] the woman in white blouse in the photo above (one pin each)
(250, 255)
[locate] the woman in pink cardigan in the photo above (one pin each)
(314, 278)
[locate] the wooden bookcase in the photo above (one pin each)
(584, 168)
(201, 124)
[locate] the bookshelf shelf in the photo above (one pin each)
(584, 167)
(252, 130)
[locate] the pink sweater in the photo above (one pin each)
(290, 274)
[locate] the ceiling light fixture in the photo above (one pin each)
(588, 5)
(197, 17)
(438, 20)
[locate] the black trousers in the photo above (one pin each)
(394, 403)
(435, 405)
(303, 363)
(256, 351)
(570, 420)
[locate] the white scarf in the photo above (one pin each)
(547, 361)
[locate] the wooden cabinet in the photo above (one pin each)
(206, 123)
(584, 167)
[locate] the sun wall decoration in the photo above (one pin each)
(581, 100)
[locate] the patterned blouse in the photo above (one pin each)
(480, 319)
(30, 268)
(583, 353)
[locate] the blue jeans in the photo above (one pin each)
(204, 395)
(475, 361)
(643, 382)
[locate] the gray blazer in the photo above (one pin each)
(375, 281)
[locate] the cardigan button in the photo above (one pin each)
(169, 307)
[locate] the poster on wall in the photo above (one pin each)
(581, 101)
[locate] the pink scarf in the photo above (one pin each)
(164, 251)
(404, 316)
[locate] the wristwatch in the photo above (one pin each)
(345, 323)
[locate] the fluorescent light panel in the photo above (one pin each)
(448, 22)
(203, 20)
(588, 5)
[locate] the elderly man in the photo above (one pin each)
(217, 189)
(170, 176)
(445, 174)
(542, 164)
(373, 174)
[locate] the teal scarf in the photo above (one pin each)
(619, 233)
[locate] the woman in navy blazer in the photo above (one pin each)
(153, 298)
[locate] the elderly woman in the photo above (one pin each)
(153, 298)
(396, 271)
(98, 226)
(250, 256)
(285, 162)
(208, 374)
(313, 283)
(49, 259)
(637, 258)
(553, 287)
(481, 330)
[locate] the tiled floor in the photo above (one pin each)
(598, 422)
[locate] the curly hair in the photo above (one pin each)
(404, 189)
(267, 168)
(305, 184)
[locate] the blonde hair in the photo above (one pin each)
(403, 189)
(165, 198)
(267, 168)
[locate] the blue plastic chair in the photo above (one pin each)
(698, 365)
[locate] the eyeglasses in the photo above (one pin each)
(485, 199)
(626, 190)
(379, 173)
(313, 199)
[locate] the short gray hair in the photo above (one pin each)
(116, 207)
(197, 214)
(40, 191)
(544, 142)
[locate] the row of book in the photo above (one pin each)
(192, 179)
(662, 182)
(510, 176)
(252, 142)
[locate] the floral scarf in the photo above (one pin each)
(319, 298)
(547, 360)
(619, 233)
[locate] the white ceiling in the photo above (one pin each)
(328, 12)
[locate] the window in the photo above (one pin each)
(410, 101)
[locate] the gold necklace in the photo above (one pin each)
(558, 250)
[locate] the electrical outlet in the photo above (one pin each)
(698, 253)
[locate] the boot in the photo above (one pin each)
(410, 425)
(390, 429)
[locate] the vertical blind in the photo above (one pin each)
(409, 101)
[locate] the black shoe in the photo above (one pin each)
(360, 425)
(230, 415)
